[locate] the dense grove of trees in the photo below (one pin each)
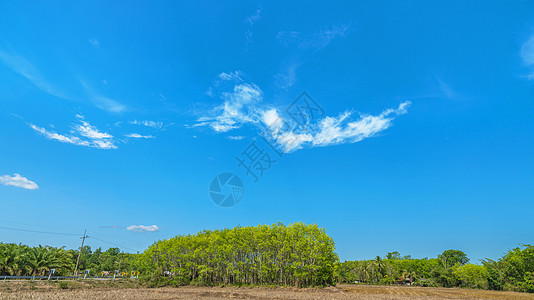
(21, 260)
(298, 254)
(513, 272)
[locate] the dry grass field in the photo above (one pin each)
(128, 290)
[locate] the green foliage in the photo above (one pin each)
(514, 271)
(451, 258)
(22, 260)
(472, 276)
(296, 255)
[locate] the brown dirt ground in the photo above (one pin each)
(128, 290)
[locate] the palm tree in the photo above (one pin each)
(42, 259)
(11, 259)
(380, 265)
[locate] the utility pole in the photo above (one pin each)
(80, 253)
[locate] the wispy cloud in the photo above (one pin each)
(243, 106)
(287, 78)
(18, 181)
(329, 130)
(143, 228)
(235, 75)
(446, 89)
(303, 45)
(527, 53)
(236, 138)
(250, 21)
(314, 41)
(26, 69)
(153, 124)
(111, 227)
(83, 134)
(139, 136)
(103, 102)
(236, 109)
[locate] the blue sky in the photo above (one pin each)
(116, 117)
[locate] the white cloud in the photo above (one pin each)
(153, 124)
(83, 134)
(527, 53)
(329, 130)
(139, 136)
(236, 109)
(143, 228)
(18, 181)
(242, 106)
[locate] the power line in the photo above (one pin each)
(31, 225)
(37, 231)
(66, 234)
(92, 236)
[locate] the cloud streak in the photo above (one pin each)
(26, 69)
(143, 228)
(139, 136)
(152, 124)
(314, 41)
(18, 181)
(103, 102)
(83, 134)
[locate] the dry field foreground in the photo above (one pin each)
(43, 290)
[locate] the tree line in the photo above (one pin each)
(294, 255)
(22, 260)
(297, 255)
(512, 272)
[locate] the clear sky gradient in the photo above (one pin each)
(117, 116)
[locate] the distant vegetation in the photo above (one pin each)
(295, 255)
(513, 272)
